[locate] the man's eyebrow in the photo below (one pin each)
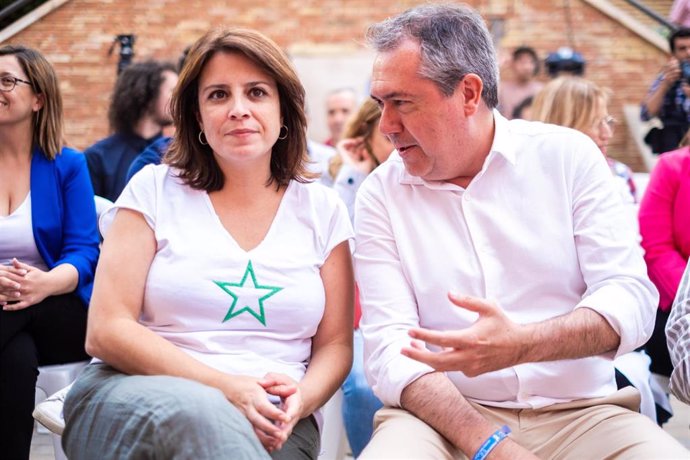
(392, 95)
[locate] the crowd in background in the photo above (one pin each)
(169, 224)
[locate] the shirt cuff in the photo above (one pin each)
(632, 318)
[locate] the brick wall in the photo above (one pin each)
(76, 38)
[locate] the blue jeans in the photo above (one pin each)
(359, 404)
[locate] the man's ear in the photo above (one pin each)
(471, 87)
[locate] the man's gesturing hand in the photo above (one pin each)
(493, 342)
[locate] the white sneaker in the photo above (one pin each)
(49, 412)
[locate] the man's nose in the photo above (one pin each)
(390, 121)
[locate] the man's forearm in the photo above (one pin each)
(435, 400)
(578, 334)
(655, 100)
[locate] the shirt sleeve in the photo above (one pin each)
(644, 111)
(665, 264)
(80, 233)
(678, 340)
(389, 308)
(139, 195)
(610, 256)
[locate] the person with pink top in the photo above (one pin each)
(665, 229)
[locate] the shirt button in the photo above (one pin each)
(466, 196)
(350, 180)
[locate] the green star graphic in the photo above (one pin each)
(248, 295)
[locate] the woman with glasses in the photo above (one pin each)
(222, 308)
(577, 103)
(48, 240)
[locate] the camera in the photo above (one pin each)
(685, 71)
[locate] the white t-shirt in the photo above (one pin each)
(241, 312)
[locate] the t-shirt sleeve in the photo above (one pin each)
(139, 195)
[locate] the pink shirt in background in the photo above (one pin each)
(665, 223)
(680, 13)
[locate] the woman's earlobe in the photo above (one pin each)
(39, 103)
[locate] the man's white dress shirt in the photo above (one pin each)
(540, 230)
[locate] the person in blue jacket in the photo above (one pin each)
(48, 240)
(152, 155)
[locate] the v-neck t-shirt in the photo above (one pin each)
(241, 312)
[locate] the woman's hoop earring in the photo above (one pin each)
(286, 132)
(201, 133)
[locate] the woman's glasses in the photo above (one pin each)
(7, 83)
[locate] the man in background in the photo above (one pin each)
(525, 68)
(139, 110)
(668, 97)
(340, 104)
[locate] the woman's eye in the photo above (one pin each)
(257, 92)
(217, 94)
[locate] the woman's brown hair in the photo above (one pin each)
(362, 124)
(197, 165)
(48, 122)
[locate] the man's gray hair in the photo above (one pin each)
(454, 41)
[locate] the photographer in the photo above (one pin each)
(669, 96)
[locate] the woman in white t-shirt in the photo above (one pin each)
(222, 306)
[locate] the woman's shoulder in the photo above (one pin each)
(69, 163)
(315, 193)
(673, 162)
(69, 156)
(160, 180)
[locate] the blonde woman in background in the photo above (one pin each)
(362, 148)
(577, 103)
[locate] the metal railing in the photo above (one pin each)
(652, 14)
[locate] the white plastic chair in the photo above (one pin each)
(333, 439)
(51, 379)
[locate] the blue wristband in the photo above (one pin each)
(492, 442)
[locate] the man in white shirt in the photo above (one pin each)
(499, 271)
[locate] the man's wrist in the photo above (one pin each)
(491, 443)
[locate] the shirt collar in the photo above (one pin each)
(501, 145)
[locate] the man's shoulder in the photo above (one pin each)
(522, 133)
(543, 132)
(539, 146)
(103, 145)
(387, 180)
